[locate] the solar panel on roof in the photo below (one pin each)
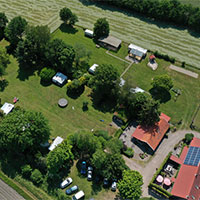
(193, 156)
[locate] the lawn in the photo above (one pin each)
(192, 2)
(34, 96)
(179, 43)
(197, 120)
(184, 107)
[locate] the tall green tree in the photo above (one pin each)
(4, 60)
(3, 22)
(60, 55)
(31, 51)
(105, 83)
(163, 81)
(60, 158)
(23, 131)
(67, 16)
(130, 186)
(101, 28)
(15, 30)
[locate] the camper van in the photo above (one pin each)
(78, 195)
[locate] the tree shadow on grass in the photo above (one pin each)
(141, 17)
(67, 29)
(24, 73)
(3, 84)
(45, 83)
(161, 95)
(75, 94)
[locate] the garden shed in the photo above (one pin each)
(55, 143)
(93, 68)
(59, 79)
(136, 51)
(7, 107)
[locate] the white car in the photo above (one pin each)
(89, 176)
(136, 90)
(114, 186)
(66, 183)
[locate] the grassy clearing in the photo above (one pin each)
(185, 105)
(149, 34)
(34, 96)
(192, 2)
(90, 189)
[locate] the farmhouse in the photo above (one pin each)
(89, 33)
(7, 107)
(136, 52)
(59, 79)
(187, 184)
(110, 42)
(152, 136)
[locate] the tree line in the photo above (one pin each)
(166, 10)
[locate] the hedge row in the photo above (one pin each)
(164, 56)
(12, 184)
(160, 190)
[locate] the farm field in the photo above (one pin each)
(175, 42)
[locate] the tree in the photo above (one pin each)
(67, 16)
(84, 143)
(163, 81)
(23, 131)
(60, 55)
(31, 51)
(3, 22)
(130, 185)
(26, 171)
(105, 83)
(114, 145)
(4, 60)
(46, 74)
(36, 177)
(60, 158)
(15, 30)
(101, 28)
(188, 138)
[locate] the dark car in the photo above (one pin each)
(72, 189)
(105, 182)
(83, 168)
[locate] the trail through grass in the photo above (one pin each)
(141, 31)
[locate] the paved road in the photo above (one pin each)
(7, 193)
(165, 147)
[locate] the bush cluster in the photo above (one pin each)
(165, 57)
(129, 152)
(46, 74)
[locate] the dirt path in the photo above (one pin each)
(165, 147)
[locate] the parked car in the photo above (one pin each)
(89, 176)
(78, 195)
(83, 167)
(66, 183)
(105, 182)
(114, 186)
(72, 189)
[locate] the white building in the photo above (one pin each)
(59, 79)
(93, 68)
(7, 107)
(55, 143)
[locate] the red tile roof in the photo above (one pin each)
(188, 180)
(152, 57)
(153, 135)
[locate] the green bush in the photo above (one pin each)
(26, 171)
(164, 56)
(103, 134)
(74, 86)
(46, 74)
(188, 138)
(129, 153)
(36, 177)
(160, 190)
(118, 133)
(147, 198)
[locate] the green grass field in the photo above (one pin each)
(197, 120)
(192, 2)
(141, 31)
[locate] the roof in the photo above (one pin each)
(79, 194)
(89, 32)
(136, 52)
(55, 143)
(7, 107)
(187, 182)
(93, 68)
(110, 40)
(154, 134)
(152, 57)
(133, 46)
(59, 78)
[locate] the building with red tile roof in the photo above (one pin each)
(152, 136)
(187, 184)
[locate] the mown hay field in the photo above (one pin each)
(177, 43)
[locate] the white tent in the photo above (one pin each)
(55, 143)
(7, 107)
(89, 33)
(93, 68)
(59, 78)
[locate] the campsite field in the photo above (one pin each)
(176, 42)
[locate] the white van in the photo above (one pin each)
(78, 195)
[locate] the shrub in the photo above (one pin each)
(103, 134)
(129, 152)
(46, 74)
(188, 138)
(74, 86)
(183, 64)
(1, 113)
(36, 177)
(26, 171)
(164, 56)
(118, 133)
